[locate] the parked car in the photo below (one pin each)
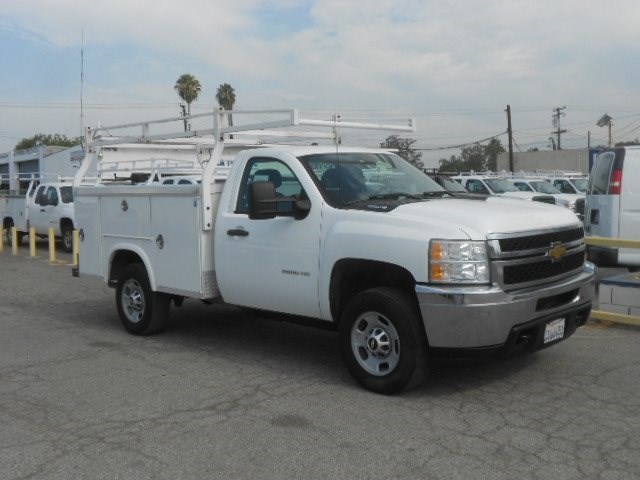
(352, 238)
(573, 202)
(613, 203)
(43, 206)
(495, 185)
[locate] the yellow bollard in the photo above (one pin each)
(32, 242)
(14, 240)
(76, 247)
(52, 245)
(1, 239)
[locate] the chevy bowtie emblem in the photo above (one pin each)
(557, 252)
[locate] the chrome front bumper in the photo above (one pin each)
(476, 317)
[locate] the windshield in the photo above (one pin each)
(451, 185)
(581, 184)
(345, 178)
(66, 193)
(499, 185)
(545, 187)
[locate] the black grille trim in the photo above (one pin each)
(531, 272)
(542, 240)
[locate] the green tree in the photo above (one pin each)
(404, 149)
(475, 157)
(47, 139)
(491, 151)
(188, 88)
(226, 97)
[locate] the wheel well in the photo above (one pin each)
(65, 222)
(120, 260)
(351, 276)
(6, 222)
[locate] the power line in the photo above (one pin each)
(451, 147)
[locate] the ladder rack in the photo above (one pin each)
(96, 139)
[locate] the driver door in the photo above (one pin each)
(270, 264)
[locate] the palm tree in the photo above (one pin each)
(226, 97)
(188, 88)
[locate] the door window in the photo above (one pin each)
(40, 196)
(599, 183)
(269, 170)
(52, 196)
(476, 186)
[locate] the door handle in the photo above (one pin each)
(237, 232)
(42, 210)
(595, 217)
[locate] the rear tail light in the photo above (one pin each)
(615, 183)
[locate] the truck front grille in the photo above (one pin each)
(541, 240)
(530, 272)
(534, 258)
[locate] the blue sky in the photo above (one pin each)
(452, 65)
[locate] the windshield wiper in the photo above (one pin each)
(381, 196)
(438, 193)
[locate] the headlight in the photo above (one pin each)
(458, 261)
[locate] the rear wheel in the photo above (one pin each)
(67, 238)
(142, 311)
(382, 340)
(7, 233)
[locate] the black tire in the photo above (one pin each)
(7, 233)
(367, 316)
(142, 311)
(633, 269)
(67, 238)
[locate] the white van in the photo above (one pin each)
(613, 205)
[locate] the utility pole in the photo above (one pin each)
(588, 138)
(510, 132)
(556, 123)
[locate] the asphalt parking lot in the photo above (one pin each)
(223, 394)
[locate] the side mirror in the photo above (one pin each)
(262, 201)
(265, 204)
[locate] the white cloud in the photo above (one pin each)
(373, 54)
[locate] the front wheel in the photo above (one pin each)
(142, 311)
(382, 340)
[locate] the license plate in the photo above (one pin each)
(554, 330)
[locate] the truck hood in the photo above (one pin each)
(478, 218)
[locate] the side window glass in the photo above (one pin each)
(40, 195)
(52, 196)
(523, 187)
(476, 186)
(184, 182)
(263, 169)
(599, 181)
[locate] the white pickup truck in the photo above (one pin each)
(356, 238)
(45, 205)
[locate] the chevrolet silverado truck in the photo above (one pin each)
(355, 238)
(44, 205)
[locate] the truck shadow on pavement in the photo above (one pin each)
(286, 348)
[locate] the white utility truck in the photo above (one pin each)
(356, 238)
(46, 204)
